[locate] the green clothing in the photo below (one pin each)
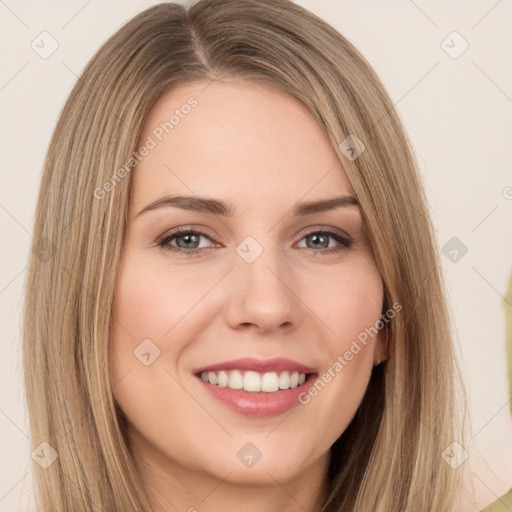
(503, 504)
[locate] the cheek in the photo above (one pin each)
(145, 308)
(350, 306)
(150, 300)
(348, 301)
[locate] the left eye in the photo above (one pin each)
(318, 238)
(188, 241)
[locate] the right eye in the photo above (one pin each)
(183, 238)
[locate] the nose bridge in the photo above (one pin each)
(262, 285)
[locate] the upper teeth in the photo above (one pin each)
(254, 381)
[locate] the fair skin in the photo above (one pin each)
(261, 151)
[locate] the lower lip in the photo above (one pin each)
(260, 404)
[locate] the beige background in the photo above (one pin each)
(457, 112)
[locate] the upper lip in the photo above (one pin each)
(258, 365)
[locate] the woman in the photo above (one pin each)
(240, 302)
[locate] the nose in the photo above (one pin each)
(262, 295)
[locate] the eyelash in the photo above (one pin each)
(163, 242)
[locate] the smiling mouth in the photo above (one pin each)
(251, 381)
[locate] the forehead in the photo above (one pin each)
(235, 140)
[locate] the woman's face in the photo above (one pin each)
(262, 283)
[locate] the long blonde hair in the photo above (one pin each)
(390, 457)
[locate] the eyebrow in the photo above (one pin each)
(227, 209)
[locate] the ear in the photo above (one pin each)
(381, 347)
